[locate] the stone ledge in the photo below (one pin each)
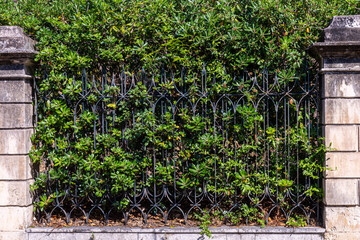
(178, 233)
(343, 49)
(340, 70)
(245, 230)
(15, 77)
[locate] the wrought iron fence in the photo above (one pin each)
(140, 148)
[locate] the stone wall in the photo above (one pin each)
(339, 55)
(16, 127)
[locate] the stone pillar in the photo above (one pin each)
(340, 67)
(16, 127)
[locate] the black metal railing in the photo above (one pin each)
(140, 148)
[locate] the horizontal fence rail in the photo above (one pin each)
(154, 149)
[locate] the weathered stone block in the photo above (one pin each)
(15, 193)
(16, 115)
(342, 138)
(15, 167)
(146, 236)
(341, 85)
(341, 192)
(170, 236)
(343, 165)
(342, 219)
(287, 237)
(236, 237)
(15, 218)
(342, 236)
(15, 141)
(15, 91)
(84, 236)
(17, 70)
(17, 235)
(247, 237)
(341, 111)
(342, 63)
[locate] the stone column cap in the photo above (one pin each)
(343, 29)
(345, 49)
(341, 39)
(15, 45)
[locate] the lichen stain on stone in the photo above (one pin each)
(347, 89)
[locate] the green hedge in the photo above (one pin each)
(148, 33)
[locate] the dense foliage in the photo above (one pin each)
(101, 35)
(80, 34)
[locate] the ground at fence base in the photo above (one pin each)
(179, 233)
(153, 222)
